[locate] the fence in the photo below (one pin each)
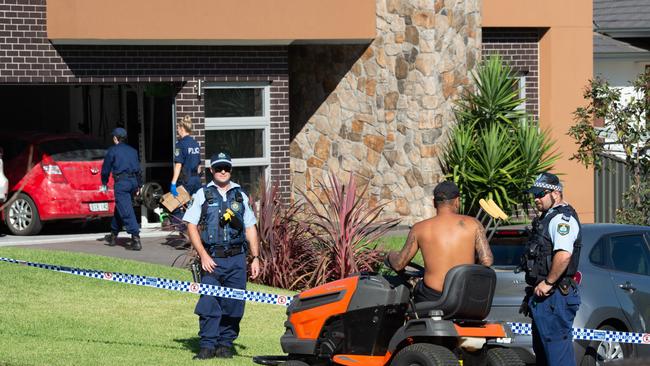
(610, 182)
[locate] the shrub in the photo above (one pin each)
(286, 251)
(345, 226)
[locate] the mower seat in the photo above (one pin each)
(467, 294)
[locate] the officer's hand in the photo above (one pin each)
(207, 263)
(103, 188)
(173, 190)
(542, 289)
(255, 268)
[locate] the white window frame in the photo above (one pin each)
(521, 84)
(245, 123)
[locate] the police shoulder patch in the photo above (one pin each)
(563, 228)
(189, 204)
(177, 152)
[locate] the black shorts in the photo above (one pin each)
(423, 292)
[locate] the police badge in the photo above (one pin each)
(563, 228)
(235, 206)
(177, 152)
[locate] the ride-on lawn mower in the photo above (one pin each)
(371, 320)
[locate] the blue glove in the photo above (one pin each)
(173, 190)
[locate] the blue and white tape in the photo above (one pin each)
(163, 283)
(265, 298)
(591, 334)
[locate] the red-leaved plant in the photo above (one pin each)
(287, 254)
(346, 226)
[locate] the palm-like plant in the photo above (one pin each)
(496, 97)
(495, 151)
(347, 226)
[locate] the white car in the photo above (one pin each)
(4, 183)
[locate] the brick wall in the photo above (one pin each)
(520, 48)
(27, 57)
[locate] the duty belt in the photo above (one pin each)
(117, 177)
(224, 252)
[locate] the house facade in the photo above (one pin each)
(293, 89)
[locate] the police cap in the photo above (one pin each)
(119, 132)
(545, 181)
(220, 158)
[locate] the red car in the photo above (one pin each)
(53, 177)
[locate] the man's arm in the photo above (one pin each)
(254, 246)
(400, 259)
(482, 246)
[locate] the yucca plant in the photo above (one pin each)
(494, 151)
(346, 226)
(496, 97)
(286, 250)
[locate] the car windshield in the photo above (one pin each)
(507, 250)
(73, 149)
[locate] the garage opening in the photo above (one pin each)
(146, 111)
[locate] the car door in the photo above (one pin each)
(629, 256)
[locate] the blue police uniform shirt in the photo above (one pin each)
(120, 159)
(188, 153)
(193, 213)
(563, 231)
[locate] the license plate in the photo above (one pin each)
(101, 206)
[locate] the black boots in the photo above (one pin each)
(135, 243)
(205, 353)
(110, 239)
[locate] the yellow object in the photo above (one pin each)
(228, 215)
(502, 215)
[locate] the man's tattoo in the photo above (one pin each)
(461, 223)
(482, 246)
(408, 248)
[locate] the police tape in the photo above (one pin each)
(273, 299)
(163, 283)
(590, 334)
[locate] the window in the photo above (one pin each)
(597, 255)
(521, 91)
(237, 120)
(630, 254)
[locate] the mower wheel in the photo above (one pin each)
(425, 354)
(295, 363)
(503, 357)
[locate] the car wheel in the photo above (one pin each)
(503, 357)
(598, 353)
(425, 354)
(21, 216)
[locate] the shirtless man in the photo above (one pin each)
(446, 240)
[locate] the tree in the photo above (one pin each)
(625, 131)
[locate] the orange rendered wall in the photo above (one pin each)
(566, 65)
(209, 21)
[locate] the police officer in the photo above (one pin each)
(122, 160)
(187, 158)
(551, 260)
(220, 222)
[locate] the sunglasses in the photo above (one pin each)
(541, 194)
(219, 168)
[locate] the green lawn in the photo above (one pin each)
(50, 318)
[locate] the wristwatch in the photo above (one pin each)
(255, 256)
(548, 283)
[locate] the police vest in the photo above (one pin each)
(214, 230)
(539, 249)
